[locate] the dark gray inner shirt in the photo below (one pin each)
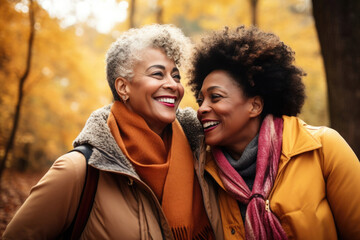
(246, 167)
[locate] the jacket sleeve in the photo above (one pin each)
(52, 202)
(342, 174)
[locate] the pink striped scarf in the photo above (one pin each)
(260, 222)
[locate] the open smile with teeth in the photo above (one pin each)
(166, 100)
(210, 124)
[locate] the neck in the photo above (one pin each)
(164, 132)
(237, 148)
(159, 130)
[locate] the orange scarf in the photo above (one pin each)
(167, 167)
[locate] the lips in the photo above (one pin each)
(168, 101)
(209, 125)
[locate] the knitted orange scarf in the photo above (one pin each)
(167, 167)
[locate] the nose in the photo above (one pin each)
(170, 83)
(203, 108)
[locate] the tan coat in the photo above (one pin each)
(51, 206)
(124, 206)
(316, 193)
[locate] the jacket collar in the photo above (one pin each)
(297, 137)
(108, 156)
(106, 153)
(212, 169)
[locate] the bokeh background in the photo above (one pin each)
(54, 52)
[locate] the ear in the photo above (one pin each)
(122, 88)
(257, 105)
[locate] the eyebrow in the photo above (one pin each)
(212, 88)
(163, 68)
(208, 90)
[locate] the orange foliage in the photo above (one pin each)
(67, 79)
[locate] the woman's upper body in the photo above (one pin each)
(272, 176)
(147, 184)
(132, 211)
(315, 191)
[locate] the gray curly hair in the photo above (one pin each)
(123, 53)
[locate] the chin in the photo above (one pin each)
(211, 142)
(168, 119)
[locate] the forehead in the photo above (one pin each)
(219, 79)
(153, 55)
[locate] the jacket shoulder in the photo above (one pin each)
(299, 137)
(61, 186)
(321, 133)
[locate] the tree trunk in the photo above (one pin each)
(338, 23)
(159, 12)
(20, 90)
(132, 14)
(253, 10)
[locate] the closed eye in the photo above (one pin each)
(176, 77)
(157, 74)
(215, 97)
(199, 101)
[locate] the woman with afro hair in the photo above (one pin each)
(265, 173)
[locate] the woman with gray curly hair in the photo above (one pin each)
(141, 154)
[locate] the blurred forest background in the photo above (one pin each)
(52, 68)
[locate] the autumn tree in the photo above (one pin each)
(20, 96)
(132, 13)
(159, 12)
(253, 8)
(67, 82)
(338, 24)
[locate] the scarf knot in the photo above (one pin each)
(257, 195)
(260, 221)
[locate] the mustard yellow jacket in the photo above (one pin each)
(316, 194)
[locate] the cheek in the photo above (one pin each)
(224, 110)
(233, 113)
(181, 91)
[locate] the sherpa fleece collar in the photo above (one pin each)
(107, 154)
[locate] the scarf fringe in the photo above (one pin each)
(180, 233)
(183, 233)
(205, 234)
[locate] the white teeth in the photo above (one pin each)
(167, 100)
(210, 123)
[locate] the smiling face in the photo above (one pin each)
(228, 117)
(155, 90)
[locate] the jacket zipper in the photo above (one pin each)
(277, 179)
